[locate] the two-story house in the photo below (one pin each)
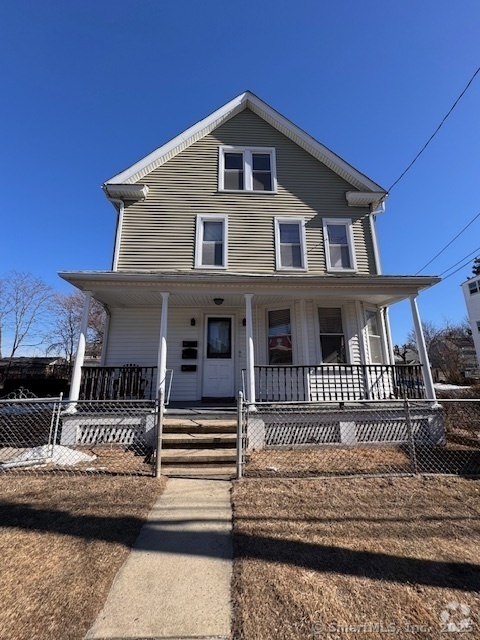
(246, 256)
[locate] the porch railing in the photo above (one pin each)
(338, 382)
(120, 383)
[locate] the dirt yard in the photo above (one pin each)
(356, 558)
(62, 540)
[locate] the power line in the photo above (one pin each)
(436, 130)
(461, 260)
(449, 243)
(456, 270)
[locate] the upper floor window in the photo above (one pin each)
(478, 326)
(279, 337)
(290, 249)
(211, 246)
(332, 337)
(473, 286)
(339, 247)
(247, 169)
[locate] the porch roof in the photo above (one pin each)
(142, 288)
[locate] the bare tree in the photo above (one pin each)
(449, 348)
(66, 312)
(23, 308)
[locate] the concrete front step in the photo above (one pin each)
(199, 440)
(206, 471)
(200, 425)
(198, 456)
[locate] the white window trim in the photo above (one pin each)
(199, 240)
(351, 246)
(247, 168)
(318, 345)
(303, 242)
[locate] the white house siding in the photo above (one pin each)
(472, 301)
(133, 336)
(159, 233)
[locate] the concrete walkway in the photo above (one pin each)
(176, 581)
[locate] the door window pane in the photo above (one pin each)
(219, 338)
(279, 337)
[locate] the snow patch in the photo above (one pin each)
(62, 456)
(449, 387)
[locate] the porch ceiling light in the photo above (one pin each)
(218, 301)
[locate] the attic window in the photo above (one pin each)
(247, 169)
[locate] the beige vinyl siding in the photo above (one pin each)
(159, 233)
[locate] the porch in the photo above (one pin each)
(219, 333)
(273, 383)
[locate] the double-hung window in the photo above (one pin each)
(473, 286)
(247, 169)
(374, 336)
(279, 337)
(339, 247)
(332, 337)
(290, 251)
(211, 246)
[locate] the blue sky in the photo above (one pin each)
(89, 88)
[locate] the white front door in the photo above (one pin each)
(218, 364)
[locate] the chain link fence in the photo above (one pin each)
(360, 438)
(57, 436)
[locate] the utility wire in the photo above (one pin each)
(436, 130)
(449, 243)
(456, 270)
(464, 257)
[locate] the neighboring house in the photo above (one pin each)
(41, 376)
(246, 256)
(471, 292)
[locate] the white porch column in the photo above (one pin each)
(162, 345)
(80, 355)
(422, 350)
(250, 350)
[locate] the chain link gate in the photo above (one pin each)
(366, 438)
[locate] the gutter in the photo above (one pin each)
(372, 218)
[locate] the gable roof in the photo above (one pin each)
(247, 100)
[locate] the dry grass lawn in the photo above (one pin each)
(313, 555)
(62, 540)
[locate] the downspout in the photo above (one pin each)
(118, 231)
(373, 231)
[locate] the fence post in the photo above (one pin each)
(240, 435)
(52, 434)
(158, 448)
(410, 436)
